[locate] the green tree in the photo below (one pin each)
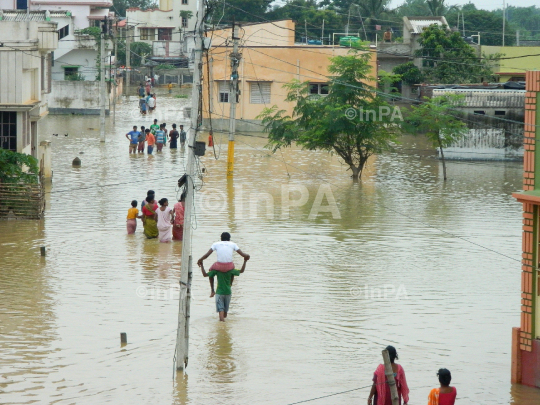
(139, 51)
(488, 23)
(409, 73)
(120, 6)
(17, 167)
(411, 8)
(239, 10)
(437, 7)
(339, 122)
(447, 58)
(437, 119)
(307, 13)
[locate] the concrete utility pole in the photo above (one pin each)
(233, 100)
(128, 58)
(389, 373)
(102, 83)
(182, 336)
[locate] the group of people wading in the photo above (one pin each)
(380, 390)
(159, 221)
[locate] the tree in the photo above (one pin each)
(340, 121)
(437, 119)
(409, 73)
(488, 23)
(447, 58)
(139, 52)
(307, 12)
(17, 167)
(437, 7)
(411, 8)
(239, 10)
(120, 6)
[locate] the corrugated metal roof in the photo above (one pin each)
(419, 25)
(21, 15)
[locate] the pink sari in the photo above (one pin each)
(383, 389)
(178, 226)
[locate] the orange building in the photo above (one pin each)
(270, 58)
(526, 338)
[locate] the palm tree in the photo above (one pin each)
(437, 7)
(372, 11)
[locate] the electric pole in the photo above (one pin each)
(182, 336)
(128, 57)
(102, 81)
(233, 100)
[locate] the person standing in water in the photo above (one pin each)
(381, 391)
(142, 140)
(173, 137)
(445, 395)
(224, 251)
(223, 292)
(151, 140)
(182, 136)
(133, 137)
(165, 220)
(178, 225)
(160, 138)
(133, 214)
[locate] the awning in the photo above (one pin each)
(71, 66)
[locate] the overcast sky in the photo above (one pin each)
(482, 4)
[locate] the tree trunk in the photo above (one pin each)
(443, 161)
(356, 173)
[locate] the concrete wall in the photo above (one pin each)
(279, 33)
(514, 67)
(75, 97)
(86, 58)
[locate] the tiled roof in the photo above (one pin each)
(21, 15)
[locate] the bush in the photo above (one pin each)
(18, 167)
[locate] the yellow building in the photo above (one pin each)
(514, 69)
(270, 59)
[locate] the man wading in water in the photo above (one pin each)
(223, 292)
(224, 269)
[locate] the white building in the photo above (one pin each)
(25, 81)
(76, 54)
(164, 23)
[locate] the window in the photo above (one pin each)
(184, 22)
(164, 34)
(500, 112)
(224, 91)
(184, 1)
(63, 32)
(480, 112)
(148, 34)
(8, 130)
(71, 72)
(318, 89)
(22, 4)
(260, 92)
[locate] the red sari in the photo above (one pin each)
(178, 226)
(382, 396)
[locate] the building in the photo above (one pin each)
(521, 59)
(270, 58)
(25, 81)
(392, 54)
(169, 22)
(526, 338)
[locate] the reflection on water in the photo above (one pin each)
(318, 301)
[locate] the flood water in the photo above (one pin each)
(320, 298)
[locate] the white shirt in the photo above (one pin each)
(152, 104)
(225, 250)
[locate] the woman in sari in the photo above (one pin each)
(165, 220)
(381, 390)
(445, 395)
(178, 226)
(150, 217)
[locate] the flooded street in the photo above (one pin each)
(432, 268)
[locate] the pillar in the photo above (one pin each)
(526, 338)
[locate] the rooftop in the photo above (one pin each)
(22, 15)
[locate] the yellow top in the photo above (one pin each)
(132, 213)
(170, 85)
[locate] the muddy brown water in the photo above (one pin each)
(321, 297)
